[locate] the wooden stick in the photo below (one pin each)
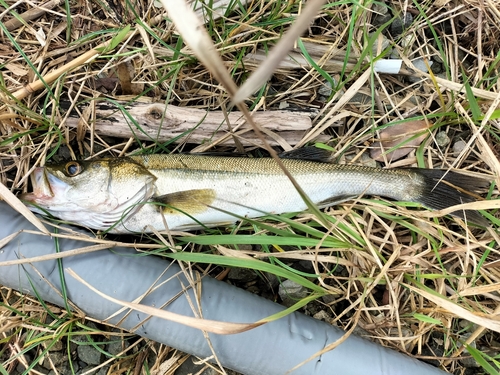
(157, 121)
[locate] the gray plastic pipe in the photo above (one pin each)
(271, 349)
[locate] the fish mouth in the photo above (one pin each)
(45, 187)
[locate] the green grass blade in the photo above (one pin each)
(229, 239)
(291, 309)
(481, 358)
(253, 264)
(474, 106)
(427, 319)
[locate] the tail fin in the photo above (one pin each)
(443, 189)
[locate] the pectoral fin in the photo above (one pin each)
(187, 201)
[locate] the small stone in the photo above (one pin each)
(271, 279)
(329, 298)
(469, 362)
(291, 292)
(380, 8)
(65, 369)
(89, 354)
(437, 58)
(325, 89)
(458, 147)
(422, 65)
(438, 341)
(307, 266)
(72, 346)
(322, 315)
(437, 68)
(116, 347)
(400, 24)
(395, 55)
(380, 19)
(56, 358)
(468, 326)
(20, 368)
(442, 139)
(416, 99)
(407, 40)
(360, 98)
(358, 331)
(405, 332)
(381, 14)
(284, 104)
(39, 369)
(493, 344)
(90, 370)
(367, 161)
(382, 40)
(464, 58)
(56, 346)
(488, 349)
(442, 75)
(64, 153)
(254, 289)
(433, 348)
(242, 274)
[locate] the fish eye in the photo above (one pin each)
(73, 168)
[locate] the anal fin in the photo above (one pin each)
(333, 201)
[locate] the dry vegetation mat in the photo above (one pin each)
(392, 83)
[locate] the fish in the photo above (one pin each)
(183, 192)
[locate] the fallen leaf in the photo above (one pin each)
(125, 72)
(409, 135)
(16, 69)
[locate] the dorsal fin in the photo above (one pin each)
(311, 153)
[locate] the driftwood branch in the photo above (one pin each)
(160, 122)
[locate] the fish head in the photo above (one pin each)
(94, 193)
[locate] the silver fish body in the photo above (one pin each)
(188, 191)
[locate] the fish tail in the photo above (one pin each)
(443, 189)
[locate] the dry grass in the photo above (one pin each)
(414, 282)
